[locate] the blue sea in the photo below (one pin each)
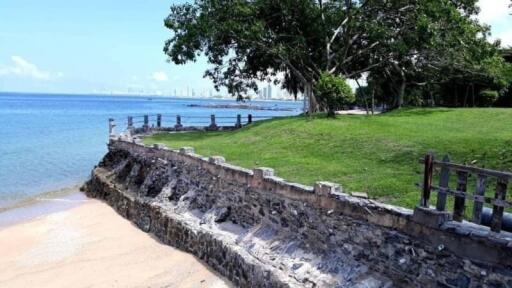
(51, 142)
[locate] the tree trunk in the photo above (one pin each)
(400, 97)
(473, 93)
(401, 92)
(466, 97)
(456, 97)
(310, 103)
(365, 98)
(366, 108)
(373, 99)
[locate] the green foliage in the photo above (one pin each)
(333, 93)
(453, 52)
(378, 155)
(488, 97)
(247, 41)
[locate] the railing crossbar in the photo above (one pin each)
(471, 169)
(469, 196)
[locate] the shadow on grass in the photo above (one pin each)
(205, 135)
(186, 136)
(408, 112)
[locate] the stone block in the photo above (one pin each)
(430, 217)
(325, 188)
(216, 159)
(359, 195)
(159, 146)
(262, 172)
(186, 150)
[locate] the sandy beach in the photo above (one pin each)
(89, 245)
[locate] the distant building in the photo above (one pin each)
(269, 91)
(264, 93)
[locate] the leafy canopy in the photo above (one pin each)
(292, 42)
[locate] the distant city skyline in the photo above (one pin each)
(53, 47)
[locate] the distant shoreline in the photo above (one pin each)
(241, 106)
(147, 96)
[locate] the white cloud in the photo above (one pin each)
(23, 68)
(497, 14)
(160, 76)
(493, 11)
(505, 37)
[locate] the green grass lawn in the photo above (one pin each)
(378, 155)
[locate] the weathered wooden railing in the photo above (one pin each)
(460, 194)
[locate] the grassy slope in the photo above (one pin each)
(378, 155)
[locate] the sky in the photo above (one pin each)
(115, 47)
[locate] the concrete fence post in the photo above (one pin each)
(238, 121)
(178, 122)
(130, 122)
(111, 126)
(213, 125)
(186, 150)
(146, 123)
(324, 188)
(159, 120)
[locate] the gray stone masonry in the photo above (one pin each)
(259, 230)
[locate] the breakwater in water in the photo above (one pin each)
(262, 231)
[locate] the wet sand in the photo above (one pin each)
(89, 245)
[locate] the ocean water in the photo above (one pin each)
(51, 142)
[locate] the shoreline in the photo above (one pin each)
(86, 243)
(41, 205)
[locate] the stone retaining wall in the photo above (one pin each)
(261, 231)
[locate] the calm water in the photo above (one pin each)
(50, 142)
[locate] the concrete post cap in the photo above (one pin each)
(187, 150)
(430, 217)
(159, 146)
(216, 159)
(326, 188)
(262, 172)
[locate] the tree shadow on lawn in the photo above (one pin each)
(408, 112)
(186, 136)
(205, 135)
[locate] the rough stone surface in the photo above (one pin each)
(261, 231)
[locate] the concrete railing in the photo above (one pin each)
(146, 123)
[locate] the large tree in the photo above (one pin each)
(292, 42)
(464, 56)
